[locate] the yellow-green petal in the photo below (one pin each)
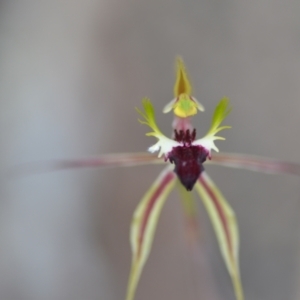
(164, 144)
(144, 224)
(221, 112)
(149, 117)
(225, 226)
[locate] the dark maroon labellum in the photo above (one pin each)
(188, 162)
(188, 159)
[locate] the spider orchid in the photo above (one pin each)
(187, 154)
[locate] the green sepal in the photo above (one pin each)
(225, 226)
(144, 223)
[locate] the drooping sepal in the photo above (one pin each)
(225, 226)
(144, 224)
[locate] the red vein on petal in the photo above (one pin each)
(165, 181)
(220, 212)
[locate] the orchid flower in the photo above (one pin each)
(186, 155)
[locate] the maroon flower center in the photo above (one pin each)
(188, 159)
(185, 137)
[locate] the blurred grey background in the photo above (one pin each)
(71, 73)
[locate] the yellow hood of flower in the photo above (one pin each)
(183, 104)
(185, 107)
